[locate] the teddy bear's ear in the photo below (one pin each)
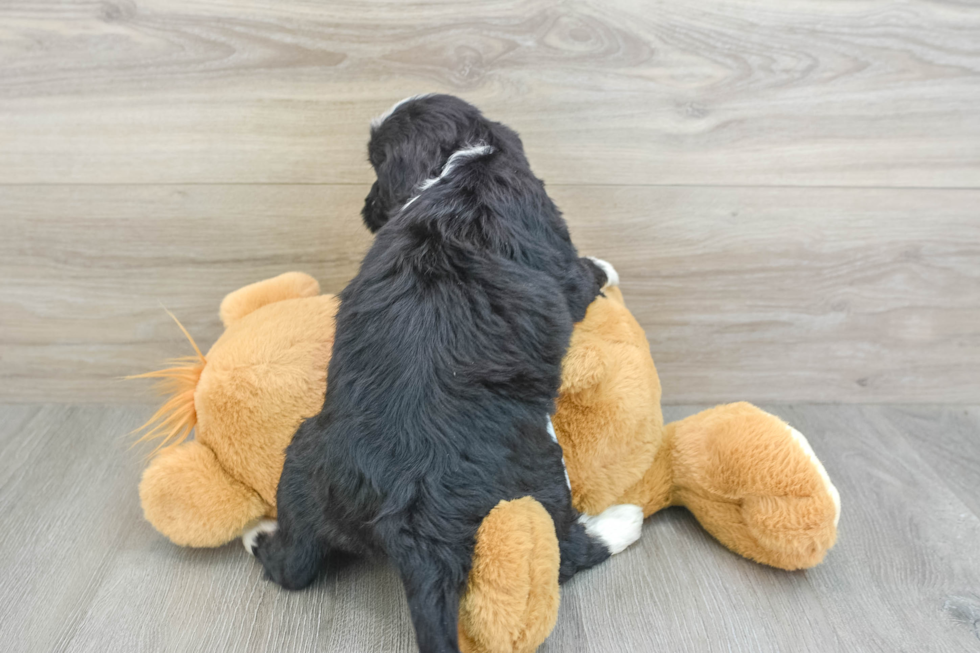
(243, 301)
(187, 496)
(582, 368)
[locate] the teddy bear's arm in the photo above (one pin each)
(243, 301)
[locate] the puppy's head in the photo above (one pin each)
(414, 140)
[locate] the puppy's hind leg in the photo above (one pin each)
(290, 548)
(290, 559)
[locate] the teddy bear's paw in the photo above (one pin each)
(612, 277)
(251, 536)
(616, 527)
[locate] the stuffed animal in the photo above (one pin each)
(266, 372)
(749, 478)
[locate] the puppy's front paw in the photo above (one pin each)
(617, 526)
(251, 536)
(612, 277)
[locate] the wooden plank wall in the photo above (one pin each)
(790, 190)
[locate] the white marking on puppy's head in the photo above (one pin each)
(377, 120)
(251, 535)
(459, 156)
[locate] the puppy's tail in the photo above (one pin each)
(177, 417)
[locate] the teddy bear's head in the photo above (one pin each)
(245, 398)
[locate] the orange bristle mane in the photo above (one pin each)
(177, 417)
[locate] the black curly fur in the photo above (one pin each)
(446, 363)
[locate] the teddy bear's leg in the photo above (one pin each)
(188, 496)
(755, 484)
(511, 600)
(243, 301)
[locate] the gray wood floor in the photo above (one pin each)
(81, 571)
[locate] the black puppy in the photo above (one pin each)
(446, 363)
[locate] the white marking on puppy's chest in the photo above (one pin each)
(554, 436)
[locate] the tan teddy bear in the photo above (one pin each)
(750, 479)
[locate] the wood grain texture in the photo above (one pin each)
(87, 272)
(66, 506)
(81, 570)
(903, 576)
(802, 92)
(950, 444)
(763, 294)
(789, 189)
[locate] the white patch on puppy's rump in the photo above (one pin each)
(612, 277)
(250, 536)
(617, 526)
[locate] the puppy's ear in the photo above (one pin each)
(399, 174)
(374, 214)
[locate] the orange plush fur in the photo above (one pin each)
(265, 374)
(750, 479)
(747, 476)
(511, 602)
